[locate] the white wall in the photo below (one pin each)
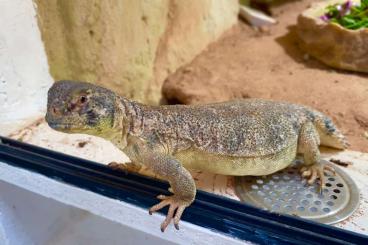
(24, 73)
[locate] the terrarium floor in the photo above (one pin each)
(249, 63)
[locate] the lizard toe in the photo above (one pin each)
(179, 213)
(113, 165)
(319, 172)
(169, 216)
(118, 167)
(177, 207)
(329, 169)
(313, 176)
(162, 197)
(158, 206)
(125, 167)
(306, 173)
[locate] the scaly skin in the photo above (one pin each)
(248, 137)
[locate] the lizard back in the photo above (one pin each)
(244, 128)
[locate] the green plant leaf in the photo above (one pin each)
(348, 16)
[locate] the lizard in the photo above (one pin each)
(242, 137)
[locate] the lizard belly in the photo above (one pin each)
(238, 166)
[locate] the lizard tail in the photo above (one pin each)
(329, 134)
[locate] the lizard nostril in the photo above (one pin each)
(55, 111)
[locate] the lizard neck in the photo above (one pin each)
(128, 120)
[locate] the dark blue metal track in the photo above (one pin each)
(214, 212)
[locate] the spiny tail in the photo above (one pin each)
(329, 134)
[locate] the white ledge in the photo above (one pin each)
(42, 203)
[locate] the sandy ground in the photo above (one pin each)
(269, 64)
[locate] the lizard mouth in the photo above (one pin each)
(60, 126)
(66, 127)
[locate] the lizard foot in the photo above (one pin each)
(125, 167)
(315, 171)
(175, 205)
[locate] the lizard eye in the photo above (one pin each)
(83, 99)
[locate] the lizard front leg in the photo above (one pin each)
(308, 144)
(181, 182)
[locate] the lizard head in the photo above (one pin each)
(80, 107)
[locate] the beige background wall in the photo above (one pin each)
(129, 46)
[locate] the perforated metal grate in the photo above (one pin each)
(287, 192)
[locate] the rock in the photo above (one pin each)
(331, 43)
(362, 120)
(129, 46)
(256, 18)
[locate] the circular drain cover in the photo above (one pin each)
(287, 192)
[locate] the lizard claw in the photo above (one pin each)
(317, 171)
(175, 205)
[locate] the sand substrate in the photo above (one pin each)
(268, 63)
